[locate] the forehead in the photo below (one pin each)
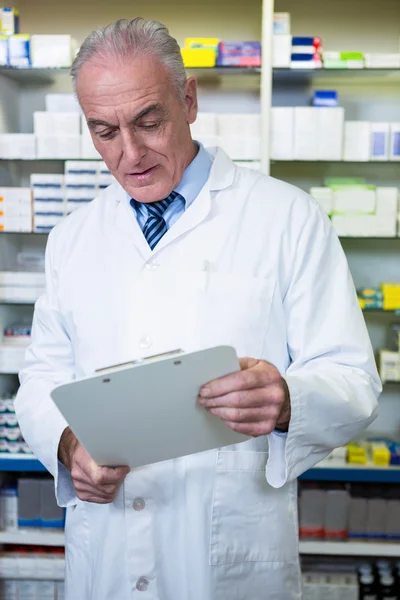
(112, 83)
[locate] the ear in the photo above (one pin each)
(191, 99)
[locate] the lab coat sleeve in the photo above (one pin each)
(332, 376)
(49, 362)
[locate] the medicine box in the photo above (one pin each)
(17, 146)
(52, 51)
(395, 141)
(282, 133)
(19, 50)
(281, 23)
(9, 20)
(56, 123)
(380, 133)
(281, 51)
(306, 133)
(357, 141)
(312, 513)
(330, 133)
(3, 49)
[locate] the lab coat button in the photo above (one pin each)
(138, 504)
(142, 584)
(145, 342)
(152, 265)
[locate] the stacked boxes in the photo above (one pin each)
(15, 209)
(21, 286)
(20, 146)
(238, 134)
(343, 60)
(37, 506)
(348, 512)
(38, 51)
(48, 201)
(11, 442)
(306, 53)
(80, 183)
(57, 134)
(360, 210)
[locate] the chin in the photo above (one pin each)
(149, 193)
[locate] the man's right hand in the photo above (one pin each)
(92, 483)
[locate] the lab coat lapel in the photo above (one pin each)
(221, 176)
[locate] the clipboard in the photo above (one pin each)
(146, 411)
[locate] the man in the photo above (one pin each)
(187, 250)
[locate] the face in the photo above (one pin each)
(138, 123)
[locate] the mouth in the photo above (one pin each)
(142, 175)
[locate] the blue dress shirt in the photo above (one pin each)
(193, 180)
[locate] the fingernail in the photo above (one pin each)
(205, 392)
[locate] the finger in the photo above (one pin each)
(234, 382)
(246, 399)
(101, 476)
(96, 499)
(252, 429)
(87, 488)
(245, 415)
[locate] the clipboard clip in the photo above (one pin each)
(145, 359)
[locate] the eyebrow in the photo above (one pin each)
(92, 123)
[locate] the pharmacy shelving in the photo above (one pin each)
(328, 548)
(33, 537)
(50, 568)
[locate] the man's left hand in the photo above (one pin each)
(253, 401)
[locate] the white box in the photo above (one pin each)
(380, 141)
(240, 125)
(241, 147)
(324, 197)
(17, 146)
(281, 51)
(52, 51)
(281, 23)
(387, 201)
(3, 49)
(330, 133)
(44, 207)
(16, 195)
(52, 123)
(205, 125)
(395, 141)
(282, 133)
(61, 147)
(46, 222)
(382, 61)
(306, 133)
(357, 141)
(62, 103)
(46, 179)
(11, 357)
(354, 200)
(16, 224)
(88, 151)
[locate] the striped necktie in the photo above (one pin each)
(155, 226)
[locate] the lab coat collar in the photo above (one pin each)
(221, 176)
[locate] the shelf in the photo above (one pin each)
(45, 76)
(48, 568)
(33, 537)
(353, 474)
(333, 162)
(20, 462)
(329, 548)
(360, 75)
(373, 311)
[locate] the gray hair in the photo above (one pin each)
(126, 38)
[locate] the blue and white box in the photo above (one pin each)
(19, 50)
(380, 141)
(325, 98)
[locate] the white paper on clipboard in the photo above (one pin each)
(147, 412)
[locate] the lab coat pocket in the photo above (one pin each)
(251, 521)
(234, 310)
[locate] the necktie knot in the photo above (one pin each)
(155, 226)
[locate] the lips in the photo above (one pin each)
(138, 173)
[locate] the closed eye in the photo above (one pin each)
(106, 135)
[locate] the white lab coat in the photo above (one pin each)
(254, 263)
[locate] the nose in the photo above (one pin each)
(133, 149)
